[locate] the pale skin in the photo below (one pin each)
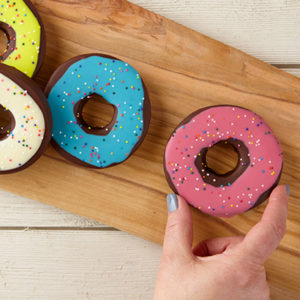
(221, 268)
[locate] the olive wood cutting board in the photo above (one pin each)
(183, 71)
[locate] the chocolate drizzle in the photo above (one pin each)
(211, 177)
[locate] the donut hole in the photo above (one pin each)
(7, 123)
(4, 41)
(222, 158)
(95, 114)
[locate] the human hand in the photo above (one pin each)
(221, 268)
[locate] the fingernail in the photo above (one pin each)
(288, 189)
(172, 202)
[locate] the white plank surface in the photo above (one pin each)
(266, 29)
(50, 254)
(69, 265)
(293, 71)
(17, 211)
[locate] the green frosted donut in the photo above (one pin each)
(26, 39)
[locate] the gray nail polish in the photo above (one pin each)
(288, 189)
(172, 202)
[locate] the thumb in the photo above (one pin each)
(265, 236)
(179, 231)
(216, 246)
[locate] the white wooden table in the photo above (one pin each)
(50, 254)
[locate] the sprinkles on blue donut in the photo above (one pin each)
(120, 85)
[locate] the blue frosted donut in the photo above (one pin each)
(70, 87)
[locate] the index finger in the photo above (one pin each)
(266, 235)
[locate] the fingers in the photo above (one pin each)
(179, 230)
(266, 235)
(216, 246)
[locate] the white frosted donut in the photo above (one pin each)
(23, 140)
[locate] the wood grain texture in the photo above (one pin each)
(183, 71)
(266, 29)
(68, 265)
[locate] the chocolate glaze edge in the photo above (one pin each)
(43, 40)
(38, 96)
(101, 131)
(9, 127)
(61, 69)
(59, 72)
(11, 33)
(231, 176)
(11, 36)
(263, 197)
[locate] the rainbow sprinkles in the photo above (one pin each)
(257, 172)
(22, 25)
(23, 142)
(117, 82)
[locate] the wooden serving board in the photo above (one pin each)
(183, 71)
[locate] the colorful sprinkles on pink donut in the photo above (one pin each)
(249, 184)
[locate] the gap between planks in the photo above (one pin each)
(56, 228)
(287, 66)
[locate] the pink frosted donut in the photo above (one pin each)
(252, 180)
